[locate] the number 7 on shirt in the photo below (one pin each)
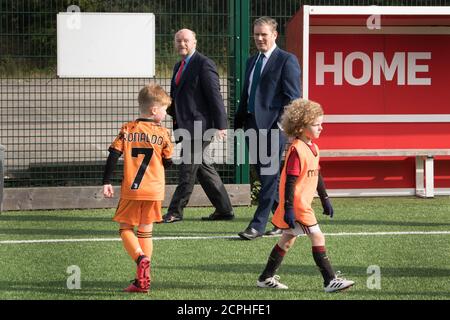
(147, 152)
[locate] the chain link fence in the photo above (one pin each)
(57, 131)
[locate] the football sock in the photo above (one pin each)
(136, 281)
(322, 261)
(138, 260)
(131, 243)
(146, 243)
(273, 263)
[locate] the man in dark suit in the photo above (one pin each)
(197, 106)
(272, 80)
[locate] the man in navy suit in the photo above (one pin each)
(197, 106)
(272, 80)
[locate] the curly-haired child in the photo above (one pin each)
(300, 179)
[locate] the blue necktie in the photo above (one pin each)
(255, 80)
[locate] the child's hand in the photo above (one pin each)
(108, 191)
(289, 217)
(327, 207)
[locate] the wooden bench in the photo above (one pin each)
(424, 163)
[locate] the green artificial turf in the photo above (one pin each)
(413, 266)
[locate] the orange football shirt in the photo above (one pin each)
(143, 144)
(305, 186)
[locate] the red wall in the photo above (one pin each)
(389, 97)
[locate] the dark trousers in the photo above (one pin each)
(268, 195)
(208, 178)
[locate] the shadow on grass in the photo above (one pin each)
(311, 270)
(382, 294)
(46, 286)
(167, 285)
(405, 223)
(51, 218)
(59, 232)
(204, 222)
(113, 232)
(192, 233)
(98, 289)
(105, 289)
(337, 221)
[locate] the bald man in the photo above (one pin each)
(196, 103)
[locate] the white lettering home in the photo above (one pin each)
(403, 64)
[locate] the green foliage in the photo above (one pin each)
(30, 47)
(256, 188)
(28, 36)
(8, 66)
(255, 185)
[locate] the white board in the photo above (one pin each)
(106, 45)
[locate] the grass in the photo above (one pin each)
(412, 266)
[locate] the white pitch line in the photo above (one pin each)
(387, 233)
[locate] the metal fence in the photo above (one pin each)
(2, 155)
(56, 131)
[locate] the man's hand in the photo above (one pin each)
(108, 191)
(327, 207)
(289, 217)
(221, 134)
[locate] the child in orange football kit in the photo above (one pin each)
(146, 147)
(300, 179)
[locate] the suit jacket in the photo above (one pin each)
(279, 84)
(197, 97)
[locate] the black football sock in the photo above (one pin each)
(322, 261)
(138, 260)
(273, 263)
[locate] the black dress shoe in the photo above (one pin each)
(274, 232)
(218, 216)
(170, 218)
(250, 234)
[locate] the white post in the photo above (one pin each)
(420, 174)
(305, 58)
(429, 177)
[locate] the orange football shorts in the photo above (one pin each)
(136, 212)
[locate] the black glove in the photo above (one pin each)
(327, 207)
(167, 163)
(289, 217)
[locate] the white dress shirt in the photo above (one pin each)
(266, 56)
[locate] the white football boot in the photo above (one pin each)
(272, 283)
(338, 283)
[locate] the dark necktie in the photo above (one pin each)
(255, 80)
(180, 71)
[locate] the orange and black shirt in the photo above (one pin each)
(144, 145)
